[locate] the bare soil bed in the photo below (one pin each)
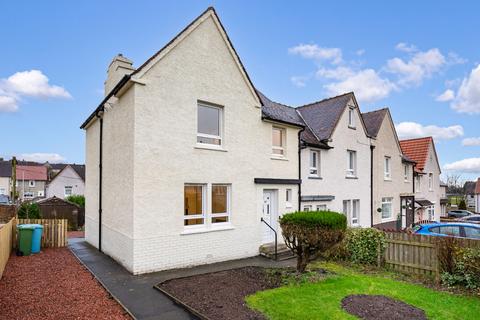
(53, 285)
(221, 295)
(371, 307)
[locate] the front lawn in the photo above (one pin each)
(322, 300)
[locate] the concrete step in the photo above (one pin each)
(283, 252)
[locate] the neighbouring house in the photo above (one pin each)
(183, 160)
(469, 191)
(477, 196)
(392, 191)
(31, 181)
(335, 157)
(427, 177)
(70, 180)
(443, 199)
(5, 178)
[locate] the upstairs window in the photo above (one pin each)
(418, 183)
(387, 174)
(351, 117)
(68, 191)
(430, 181)
(278, 142)
(406, 172)
(288, 198)
(314, 163)
(209, 124)
(31, 183)
(351, 163)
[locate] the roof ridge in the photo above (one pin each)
(410, 139)
(282, 104)
(378, 110)
(307, 125)
(326, 99)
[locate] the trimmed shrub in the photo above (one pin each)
(309, 233)
(466, 269)
(462, 205)
(29, 210)
(364, 245)
(77, 199)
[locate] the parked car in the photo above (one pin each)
(459, 230)
(475, 218)
(459, 213)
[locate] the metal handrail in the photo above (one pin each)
(274, 231)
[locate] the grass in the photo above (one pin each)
(321, 300)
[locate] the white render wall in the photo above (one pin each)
(387, 145)
(433, 195)
(5, 184)
(333, 166)
(66, 177)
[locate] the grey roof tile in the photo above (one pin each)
(373, 120)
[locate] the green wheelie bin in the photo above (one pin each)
(25, 233)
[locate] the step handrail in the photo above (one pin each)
(274, 231)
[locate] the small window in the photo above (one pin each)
(278, 141)
(406, 172)
(418, 183)
(194, 205)
(307, 208)
(355, 212)
(346, 207)
(387, 174)
(322, 207)
(3, 191)
(288, 198)
(351, 117)
(387, 208)
(209, 124)
(351, 163)
(220, 203)
(430, 181)
(314, 163)
(40, 193)
(431, 213)
(31, 183)
(28, 195)
(68, 191)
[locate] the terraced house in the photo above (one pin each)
(188, 163)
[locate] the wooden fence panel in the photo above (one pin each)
(418, 254)
(6, 236)
(54, 231)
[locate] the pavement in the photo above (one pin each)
(136, 293)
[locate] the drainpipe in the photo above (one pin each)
(371, 185)
(100, 116)
(300, 169)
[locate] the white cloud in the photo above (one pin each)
(42, 157)
(471, 142)
(415, 130)
(421, 65)
(405, 47)
(360, 52)
(31, 83)
(313, 51)
(8, 104)
(367, 85)
(448, 95)
(468, 95)
(299, 81)
(469, 165)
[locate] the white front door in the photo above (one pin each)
(269, 215)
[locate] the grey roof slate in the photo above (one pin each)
(280, 112)
(5, 168)
(469, 187)
(322, 116)
(373, 120)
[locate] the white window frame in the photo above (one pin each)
(307, 207)
(431, 212)
(40, 193)
(351, 172)
(430, 181)
(282, 147)
(418, 183)
(355, 220)
(220, 126)
(3, 191)
(288, 198)
(319, 207)
(387, 201)
(65, 191)
(314, 171)
(28, 194)
(204, 208)
(406, 172)
(212, 215)
(387, 165)
(31, 183)
(351, 117)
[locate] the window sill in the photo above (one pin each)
(387, 179)
(351, 177)
(278, 158)
(315, 178)
(205, 230)
(209, 147)
(352, 127)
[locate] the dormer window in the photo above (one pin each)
(209, 124)
(278, 142)
(351, 117)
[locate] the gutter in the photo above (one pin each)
(300, 169)
(100, 174)
(371, 185)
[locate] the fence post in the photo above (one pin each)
(379, 255)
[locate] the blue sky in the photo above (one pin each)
(402, 55)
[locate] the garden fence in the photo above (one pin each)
(54, 231)
(6, 238)
(417, 254)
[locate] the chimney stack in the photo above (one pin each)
(119, 67)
